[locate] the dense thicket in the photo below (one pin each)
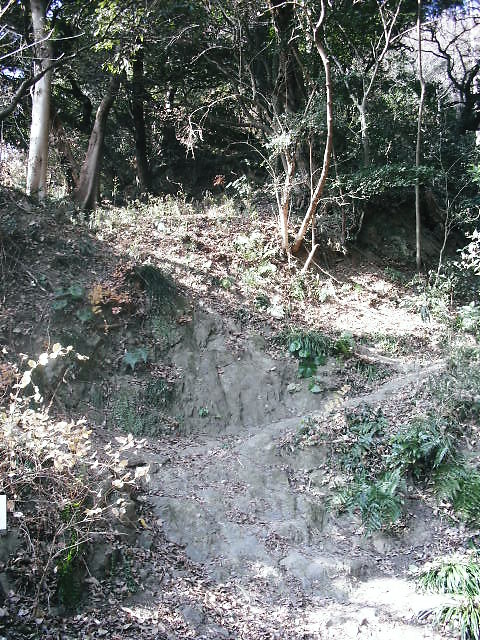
(197, 95)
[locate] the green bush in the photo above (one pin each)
(366, 430)
(378, 501)
(459, 484)
(311, 349)
(422, 446)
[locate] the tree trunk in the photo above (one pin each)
(39, 130)
(362, 110)
(137, 105)
(289, 91)
(86, 194)
(284, 203)
(315, 197)
(68, 161)
(418, 220)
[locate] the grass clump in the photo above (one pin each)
(457, 576)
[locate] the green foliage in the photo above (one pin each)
(366, 431)
(423, 446)
(374, 181)
(140, 412)
(371, 372)
(470, 255)
(457, 389)
(345, 344)
(378, 501)
(66, 297)
(459, 484)
(158, 393)
(69, 574)
(203, 412)
(132, 358)
(469, 319)
(458, 576)
(310, 348)
(465, 616)
(251, 248)
(160, 289)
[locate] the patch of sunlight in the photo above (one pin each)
(396, 595)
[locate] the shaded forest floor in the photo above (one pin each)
(187, 315)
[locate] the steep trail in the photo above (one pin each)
(254, 516)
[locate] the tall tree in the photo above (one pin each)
(137, 90)
(318, 38)
(418, 220)
(361, 37)
(40, 124)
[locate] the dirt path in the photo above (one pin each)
(254, 518)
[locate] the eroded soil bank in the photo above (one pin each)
(234, 535)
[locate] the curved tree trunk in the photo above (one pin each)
(86, 193)
(316, 195)
(39, 130)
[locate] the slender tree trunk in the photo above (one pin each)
(69, 163)
(138, 115)
(284, 204)
(418, 220)
(315, 197)
(39, 130)
(362, 110)
(86, 194)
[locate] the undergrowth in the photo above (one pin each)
(458, 577)
(58, 492)
(312, 348)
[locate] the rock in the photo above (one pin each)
(214, 631)
(9, 545)
(145, 540)
(103, 560)
(5, 587)
(193, 616)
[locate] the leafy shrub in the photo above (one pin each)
(457, 389)
(52, 477)
(465, 616)
(456, 575)
(470, 255)
(311, 349)
(459, 484)
(251, 248)
(345, 344)
(366, 429)
(469, 319)
(378, 501)
(422, 446)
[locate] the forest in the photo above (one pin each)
(239, 319)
